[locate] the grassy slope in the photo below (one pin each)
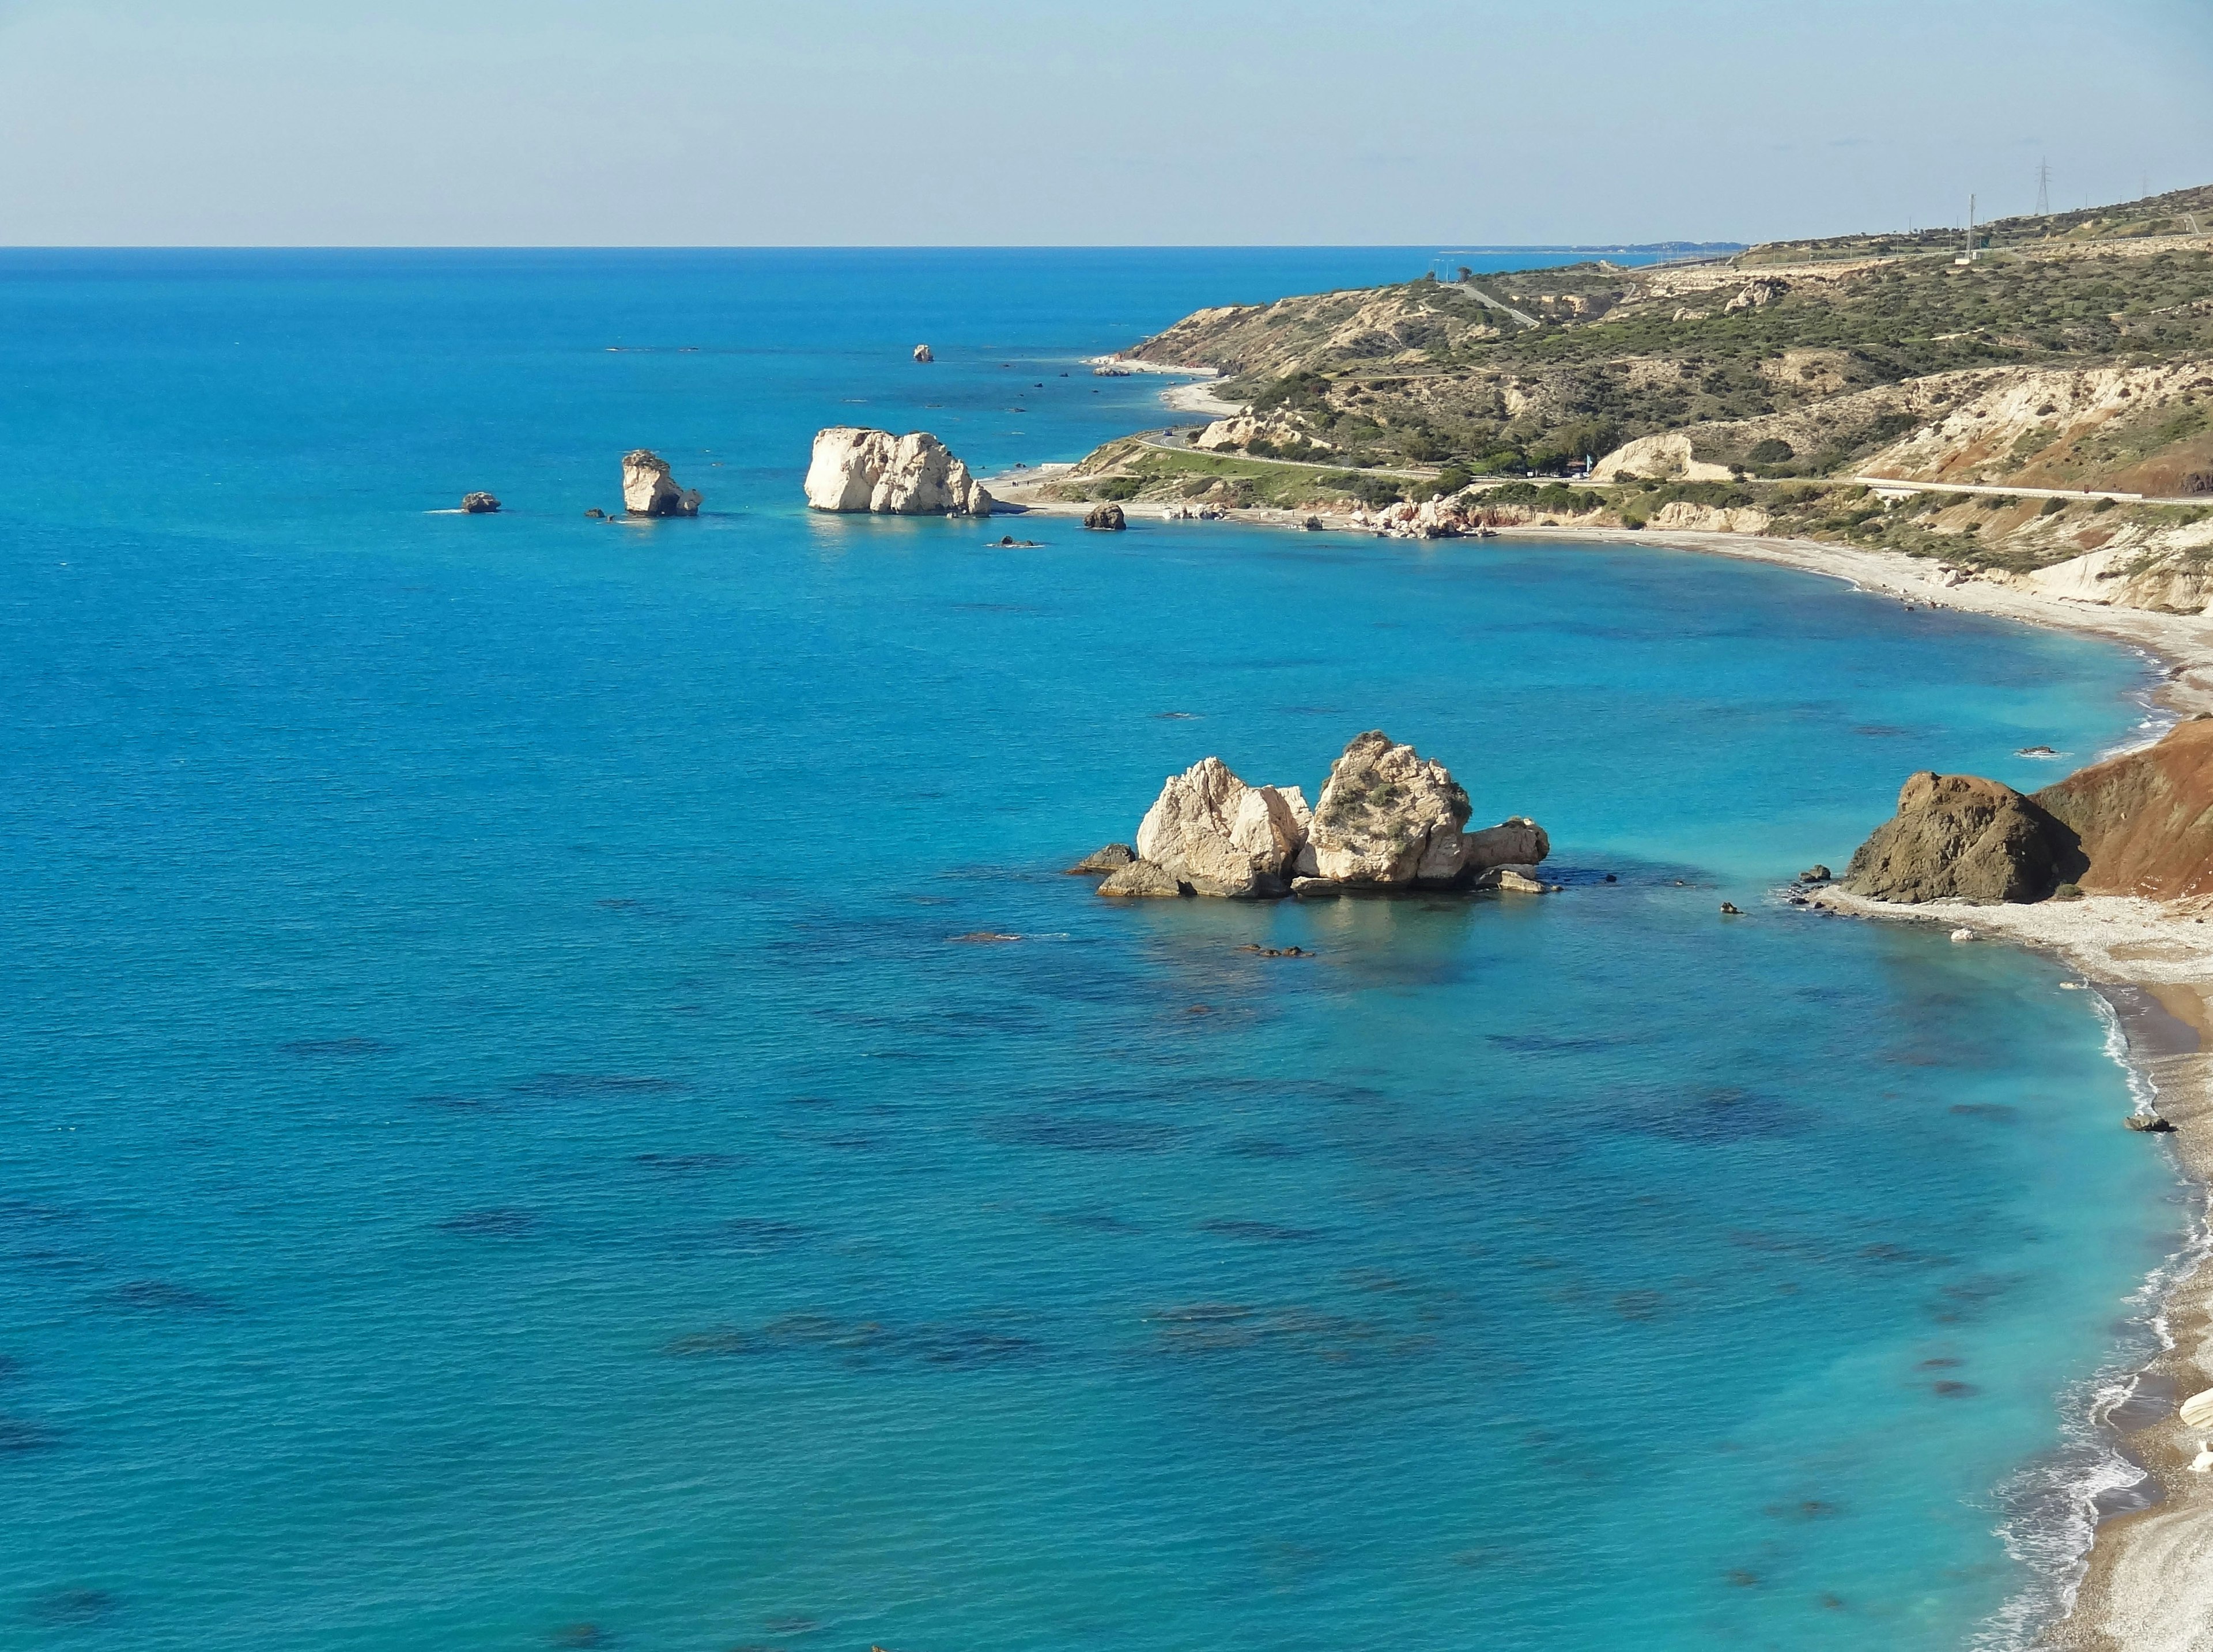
(1796, 364)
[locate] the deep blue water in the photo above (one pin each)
(504, 1146)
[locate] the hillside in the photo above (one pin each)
(2074, 352)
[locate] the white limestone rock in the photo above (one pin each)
(1219, 835)
(649, 491)
(913, 475)
(1658, 459)
(1388, 816)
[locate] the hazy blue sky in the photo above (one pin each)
(718, 122)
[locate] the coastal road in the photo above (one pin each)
(1893, 485)
(1489, 303)
(1172, 441)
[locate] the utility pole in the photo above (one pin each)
(1970, 259)
(2044, 190)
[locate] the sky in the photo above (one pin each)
(1145, 122)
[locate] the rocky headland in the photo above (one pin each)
(855, 469)
(1388, 820)
(2140, 824)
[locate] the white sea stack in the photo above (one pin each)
(914, 475)
(649, 491)
(1211, 829)
(1389, 816)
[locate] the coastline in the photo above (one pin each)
(2144, 1583)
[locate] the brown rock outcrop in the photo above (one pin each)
(1958, 837)
(1107, 518)
(2145, 821)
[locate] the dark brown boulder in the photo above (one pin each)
(1958, 837)
(1107, 518)
(2145, 821)
(479, 504)
(1100, 863)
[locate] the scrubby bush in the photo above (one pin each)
(1117, 488)
(1772, 451)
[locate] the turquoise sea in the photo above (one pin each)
(503, 1145)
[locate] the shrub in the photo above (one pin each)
(1772, 452)
(2053, 507)
(1117, 488)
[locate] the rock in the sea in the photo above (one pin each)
(649, 491)
(1389, 816)
(2151, 1124)
(1145, 878)
(914, 475)
(1730, 909)
(1815, 874)
(479, 504)
(1958, 837)
(1518, 842)
(2145, 821)
(923, 353)
(1107, 518)
(1514, 880)
(1113, 858)
(1211, 829)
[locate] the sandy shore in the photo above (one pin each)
(2146, 1584)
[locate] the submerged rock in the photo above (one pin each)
(649, 491)
(855, 469)
(1107, 518)
(1959, 837)
(479, 504)
(1113, 858)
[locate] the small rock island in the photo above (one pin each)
(855, 469)
(649, 491)
(1388, 820)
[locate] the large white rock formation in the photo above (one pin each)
(1389, 819)
(914, 475)
(1388, 816)
(1211, 829)
(648, 490)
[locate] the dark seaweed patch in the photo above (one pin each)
(1994, 1111)
(1080, 1134)
(161, 1296)
(759, 1233)
(861, 1342)
(1225, 1327)
(1951, 1390)
(684, 1164)
(1811, 1509)
(501, 1223)
(20, 1436)
(1260, 1232)
(61, 1607)
(1259, 1146)
(337, 1047)
(560, 1085)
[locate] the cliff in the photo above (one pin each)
(2145, 821)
